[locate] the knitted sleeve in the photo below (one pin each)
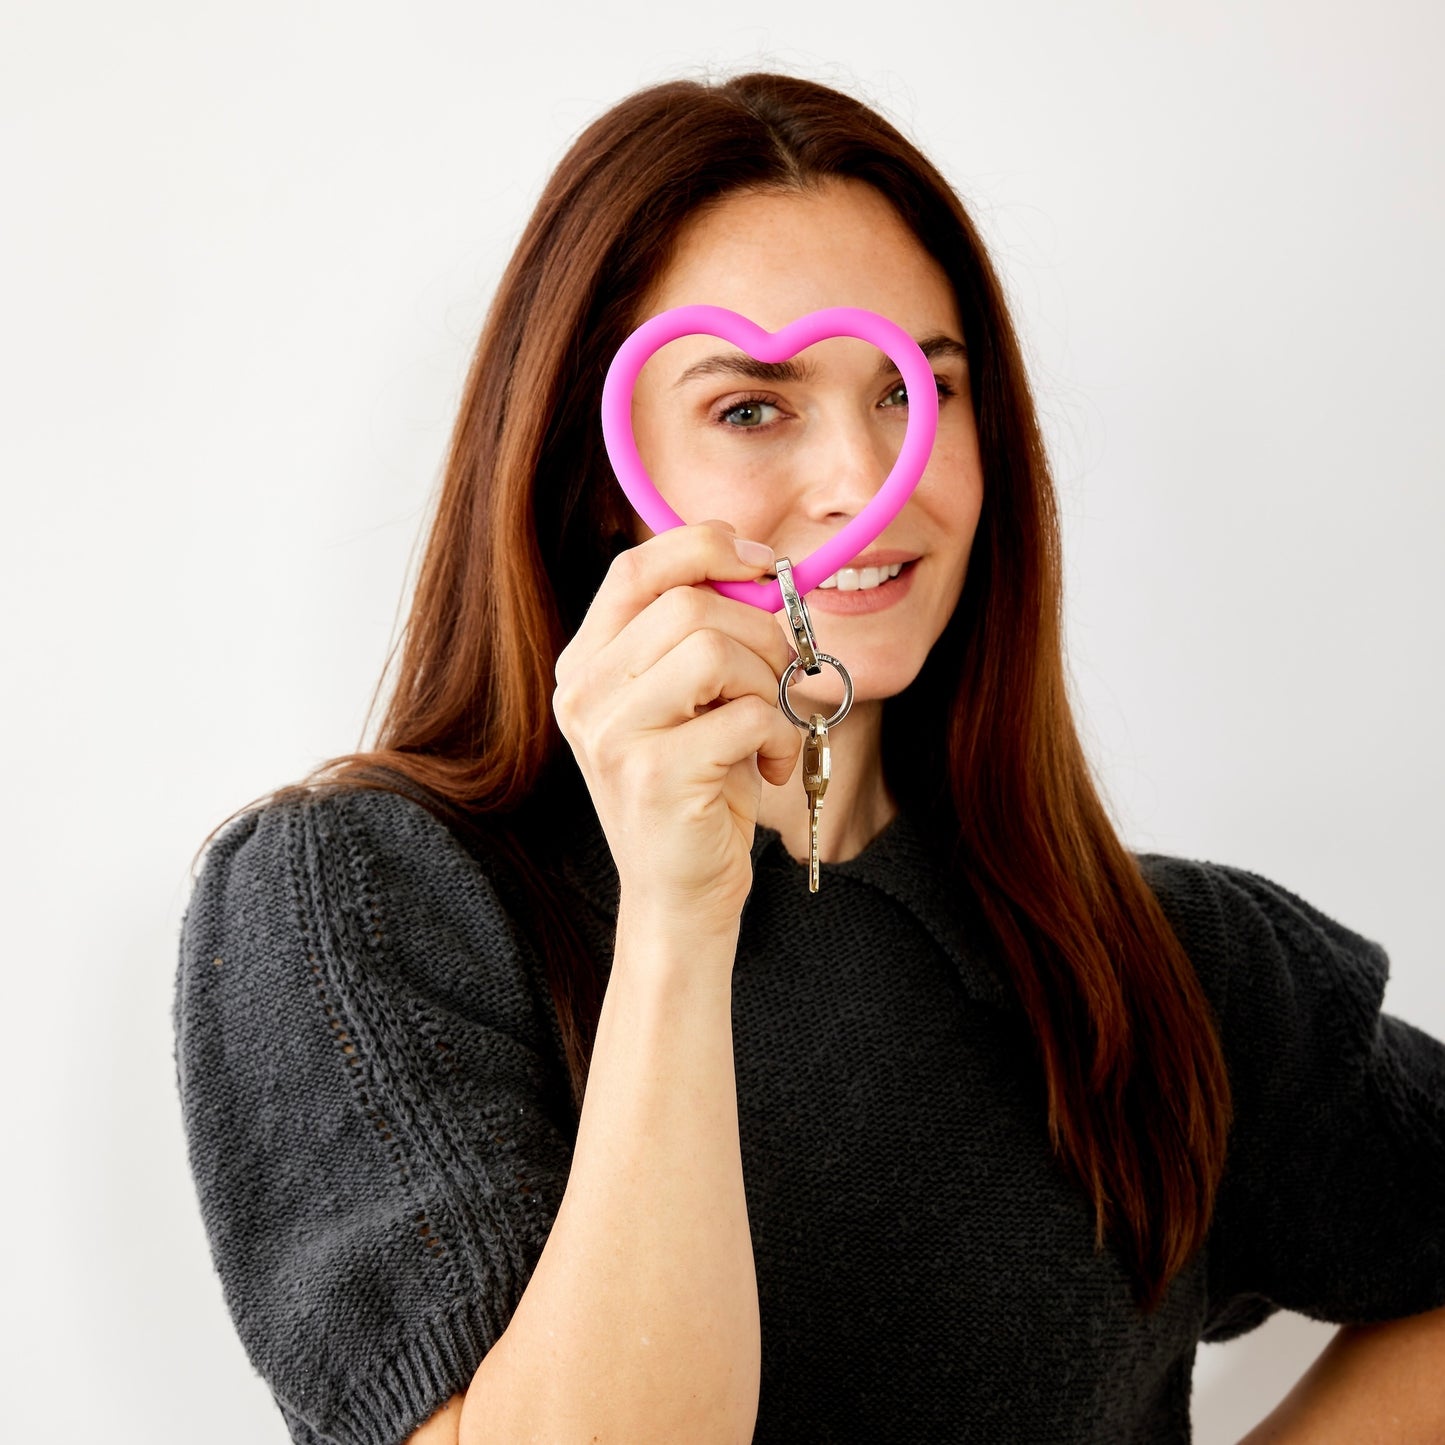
(376, 1140)
(1332, 1203)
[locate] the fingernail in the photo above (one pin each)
(755, 554)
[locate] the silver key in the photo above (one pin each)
(817, 767)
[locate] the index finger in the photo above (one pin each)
(680, 557)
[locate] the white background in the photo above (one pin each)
(247, 250)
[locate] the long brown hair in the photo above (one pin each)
(981, 747)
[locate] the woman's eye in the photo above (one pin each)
(899, 395)
(748, 414)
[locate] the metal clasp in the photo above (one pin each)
(804, 643)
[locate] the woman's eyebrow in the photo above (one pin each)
(739, 363)
(939, 344)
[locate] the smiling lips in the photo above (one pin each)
(855, 579)
(869, 570)
(868, 589)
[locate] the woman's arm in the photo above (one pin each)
(640, 1324)
(1380, 1384)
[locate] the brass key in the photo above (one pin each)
(817, 767)
(817, 762)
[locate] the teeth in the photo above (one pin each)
(859, 579)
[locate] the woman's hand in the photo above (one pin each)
(668, 696)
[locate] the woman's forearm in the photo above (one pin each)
(640, 1322)
(1381, 1384)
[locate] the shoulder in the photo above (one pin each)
(1275, 963)
(356, 884)
(315, 843)
(335, 814)
(1245, 916)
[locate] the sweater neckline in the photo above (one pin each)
(898, 862)
(883, 844)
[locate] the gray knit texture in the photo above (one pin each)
(379, 1130)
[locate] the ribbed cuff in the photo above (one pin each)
(385, 1404)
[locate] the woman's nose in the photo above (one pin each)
(845, 464)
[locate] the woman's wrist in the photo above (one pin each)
(672, 940)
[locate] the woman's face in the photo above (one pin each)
(790, 457)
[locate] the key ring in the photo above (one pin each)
(808, 658)
(838, 716)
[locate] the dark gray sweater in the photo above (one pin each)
(370, 1075)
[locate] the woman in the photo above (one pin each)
(941, 1152)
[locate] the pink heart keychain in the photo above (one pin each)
(748, 336)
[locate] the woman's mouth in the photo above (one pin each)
(849, 579)
(853, 590)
